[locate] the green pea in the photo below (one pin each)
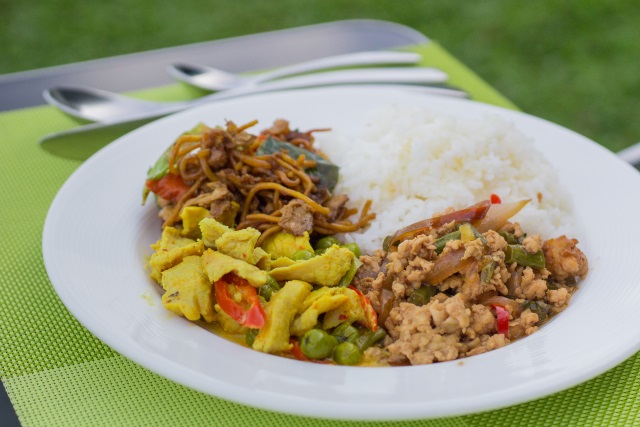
(268, 289)
(250, 336)
(317, 344)
(326, 242)
(353, 247)
(347, 353)
(303, 255)
(345, 332)
(273, 282)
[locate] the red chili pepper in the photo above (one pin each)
(248, 312)
(169, 187)
(503, 319)
(296, 351)
(369, 312)
(495, 199)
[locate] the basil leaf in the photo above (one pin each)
(161, 167)
(326, 171)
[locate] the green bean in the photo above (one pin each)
(250, 336)
(441, 242)
(541, 308)
(347, 353)
(369, 338)
(478, 235)
(345, 332)
(351, 273)
(571, 281)
(303, 255)
(268, 289)
(422, 295)
(317, 344)
(326, 242)
(517, 253)
(353, 247)
(509, 237)
(487, 272)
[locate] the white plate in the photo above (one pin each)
(97, 235)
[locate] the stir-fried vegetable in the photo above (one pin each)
(473, 213)
(502, 321)
(517, 254)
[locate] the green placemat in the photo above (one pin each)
(57, 373)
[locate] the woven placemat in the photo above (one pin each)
(57, 373)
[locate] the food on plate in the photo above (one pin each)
(259, 239)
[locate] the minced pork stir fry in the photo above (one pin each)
(248, 245)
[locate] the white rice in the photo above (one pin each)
(414, 163)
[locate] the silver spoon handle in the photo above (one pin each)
(346, 60)
(416, 76)
(120, 107)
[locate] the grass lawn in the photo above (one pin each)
(574, 62)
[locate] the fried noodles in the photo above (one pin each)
(224, 173)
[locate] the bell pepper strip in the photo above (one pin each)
(502, 321)
(472, 213)
(248, 312)
(169, 187)
(495, 199)
(369, 313)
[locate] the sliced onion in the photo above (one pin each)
(447, 265)
(513, 306)
(498, 215)
(472, 213)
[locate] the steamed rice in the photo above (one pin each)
(414, 163)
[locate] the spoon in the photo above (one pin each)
(83, 141)
(214, 79)
(103, 106)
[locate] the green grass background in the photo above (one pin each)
(574, 62)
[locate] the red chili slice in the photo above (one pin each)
(248, 312)
(369, 312)
(502, 319)
(495, 199)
